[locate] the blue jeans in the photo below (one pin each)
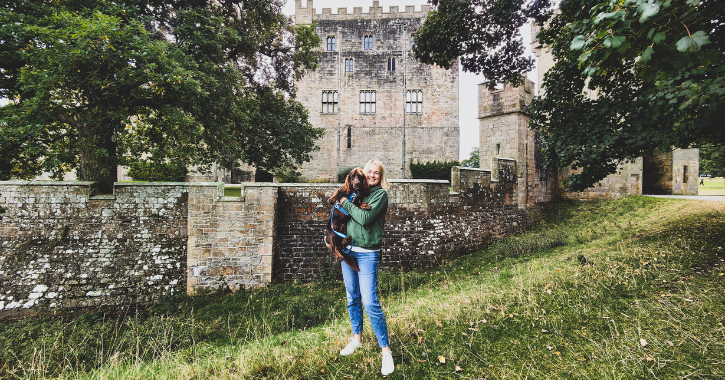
(363, 286)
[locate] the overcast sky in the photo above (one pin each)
(468, 83)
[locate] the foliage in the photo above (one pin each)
(342, 173)
(474, 161)
(712, 160)
(631, 77)
(95, 84)
(287, 174)
(483, 34)
(432, 170)
(153, 171)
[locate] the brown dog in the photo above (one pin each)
(356, 188)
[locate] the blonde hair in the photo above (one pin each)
(383, 178)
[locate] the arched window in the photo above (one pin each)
(368, 43)
(349, 137)
(330, 43)
(412, 43)
(348, 65)
(391, 64)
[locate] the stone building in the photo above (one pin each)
(372, 97)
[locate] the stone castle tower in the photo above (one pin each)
(504, 133)
(372, 97)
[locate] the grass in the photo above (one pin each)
(620, 289)
(712, 186)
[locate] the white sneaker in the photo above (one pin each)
(388, 366)
(351, 347)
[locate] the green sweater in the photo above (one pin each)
(366, 226)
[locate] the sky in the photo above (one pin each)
(468, 82)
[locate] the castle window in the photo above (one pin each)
(329, 102)
(498, 149)
(414, 101)
(412, 43)
(391, 64)
(684, 174)
(349, 137)
(368, 43)
(348, 65)
(367, 101)
(330, 43)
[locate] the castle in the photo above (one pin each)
(372, 97)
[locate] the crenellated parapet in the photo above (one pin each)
(307, 15)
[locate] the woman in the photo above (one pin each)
(366, 230)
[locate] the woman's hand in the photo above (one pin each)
(339, 200)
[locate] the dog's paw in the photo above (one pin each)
(366, 206)
(346, 241)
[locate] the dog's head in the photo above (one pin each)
(357, 182)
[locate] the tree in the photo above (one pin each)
(473, 161)
(484, 34)
(95, 84)
(631, 77)
(712, 161)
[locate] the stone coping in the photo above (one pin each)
(146, 183)
(475, 169)
(47, 183)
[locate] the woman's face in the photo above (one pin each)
(373, 175)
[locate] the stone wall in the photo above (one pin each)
(63, 248)
(230, 239)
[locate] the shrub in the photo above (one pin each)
(287, 175)
(262, 175)
(342, 174)
(433, 170)
(152, 171)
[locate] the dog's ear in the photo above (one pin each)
(346, 188)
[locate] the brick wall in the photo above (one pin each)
(63, 248)
(425, 224)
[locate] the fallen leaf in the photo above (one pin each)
(421, 361)
(670, 343)
(643, 342)
(439, 323)
(459, 369)
(291, 357)
(557, 353)
(442, 359)
(322, 370)
(544, 331)
(649, 359)
(283, 342)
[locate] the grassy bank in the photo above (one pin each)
(712, 186)
(621, 289)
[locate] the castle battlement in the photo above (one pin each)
(307, 15)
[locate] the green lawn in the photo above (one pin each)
(622, 289)
(712, 186)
